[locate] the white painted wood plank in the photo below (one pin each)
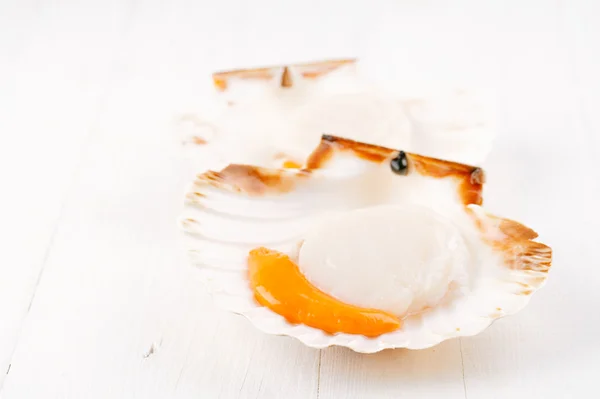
(116, 283)
(17, 280)
(545, 174)
(541, 164)
(51, 82)
(430, 373)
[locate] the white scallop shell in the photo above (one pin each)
(230, 212)
(267, 116)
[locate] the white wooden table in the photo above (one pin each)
(96, 297)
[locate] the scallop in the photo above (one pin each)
(362, 246)
(407, 257)
(275, 116)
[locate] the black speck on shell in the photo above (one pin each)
(399, 164)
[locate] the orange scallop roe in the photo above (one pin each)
(279, 285)
(291, 165)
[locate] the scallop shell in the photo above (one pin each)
(270, 116)
(230, 212)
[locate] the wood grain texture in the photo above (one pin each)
(136, 322)
(549, 349)
(95, 183)
(402, 373)
(52, 84)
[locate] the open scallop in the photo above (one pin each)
(393, 234)
(275, 116)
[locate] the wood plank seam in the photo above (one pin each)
(319, 373)
(43, 264)
(462, 366)
(101, 99)
(64, 200)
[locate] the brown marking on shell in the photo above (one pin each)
(253, 180)
(330, 144)
(187, 222)
(286, 78)
(220, 79)
(318, 69)
(197, 124)
(220, 82)
(471, 178)
(320, 155)
(514, 229)
(194, 195)
(311, 70)
(198, 140)
(195, 198)
(536, 281)
(516, 245)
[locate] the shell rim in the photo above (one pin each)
(475, 176)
